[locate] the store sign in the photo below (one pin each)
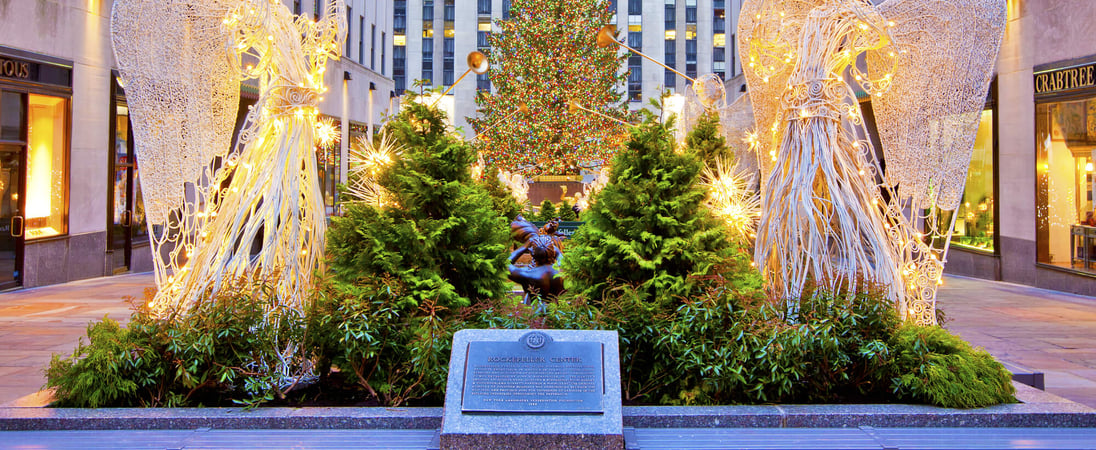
(1068, 79)
(17, 69)
(11, 68)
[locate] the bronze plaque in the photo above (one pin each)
(535, 375)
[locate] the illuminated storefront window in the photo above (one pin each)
(974, 228)
(1065, 142)
(46, 206)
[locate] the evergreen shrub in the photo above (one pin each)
(223, 351)
(706, 140)
(566, 212)
(396, 351)
(547, 211)
(934, 366)
(647, 228)
(441, 237)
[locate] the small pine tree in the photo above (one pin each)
(566, 213)
(441, 237)
(504, 203)
(706, 141)
(648, 226)
(547, 211)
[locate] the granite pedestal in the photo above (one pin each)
(463, 429)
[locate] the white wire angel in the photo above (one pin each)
(266, 192)
(830, 216)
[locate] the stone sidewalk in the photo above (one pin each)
(1046, 331)
(36, 323)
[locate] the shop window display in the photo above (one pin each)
(974, 228)
(46, 204)
(1065, 141)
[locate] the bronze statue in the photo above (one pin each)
(545, 246)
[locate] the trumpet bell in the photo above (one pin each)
(606, 36)
(477, 62)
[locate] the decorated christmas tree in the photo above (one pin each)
(546, 57)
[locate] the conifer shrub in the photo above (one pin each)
(647, 228)
(223, 351)
(936, 367)
(547, 211)
(503, 203)
(706, 140)
(441, 237)
(397, 352)
(566, 212)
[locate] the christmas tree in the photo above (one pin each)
(648, 227)
(546, 57)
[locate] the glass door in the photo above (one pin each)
(12, 219)
(127, 228)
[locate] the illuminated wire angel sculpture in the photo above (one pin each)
(209, 205)
(831, 216)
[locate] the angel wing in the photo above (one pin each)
(181, 89)
(928, 119)
(768, 31)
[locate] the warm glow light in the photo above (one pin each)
(1088, 166)
(45, 140)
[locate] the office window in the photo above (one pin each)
(690, 51)
(505, 9)
(671, 15)
(635, 40)
(297, 7)
(361, 40)
(450, 11)
(399, 16)
(690, 14)
(719, 54)
(427, 10)
(635, 7)
(317, 8)
(447, 62)
(483, 83)
(350, 32)
(428, 62)
(719, 40)
(383, 41)
(671, 53)
(372, 47)
(719, 24)
(483, 7)
(399, 68)
(427, 29)
(635, 79)
(482, 39)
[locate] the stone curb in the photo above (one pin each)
(1038, 409)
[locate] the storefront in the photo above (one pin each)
(35, 95)
(1065, 143)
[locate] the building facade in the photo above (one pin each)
(695, 37)
(1030, 186)
(70, 201)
